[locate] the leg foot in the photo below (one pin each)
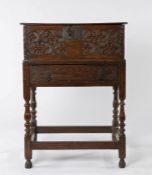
(122, 163)
(28, 164)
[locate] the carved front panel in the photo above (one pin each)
(72, 73)
(73, 41)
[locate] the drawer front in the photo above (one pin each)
(73, 73)
(74, 42)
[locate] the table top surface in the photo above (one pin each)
(103, 23)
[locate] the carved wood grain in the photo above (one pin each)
(46, 73)
(81, 41)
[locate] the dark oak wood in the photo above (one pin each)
(60, 42)
(122, 136)
(27, 117)
(74, 54)
(103, 23)
(74, 145)
(72, 74)
(33, 112)
(74, 129)
(115, 122)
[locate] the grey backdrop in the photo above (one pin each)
(65, 106)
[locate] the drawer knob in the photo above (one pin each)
(49, 77)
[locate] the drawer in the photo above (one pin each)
(73, 73)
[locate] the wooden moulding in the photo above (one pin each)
(74, 129)
(62, 145)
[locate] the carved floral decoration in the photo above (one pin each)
(94, 42)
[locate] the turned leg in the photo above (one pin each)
(28, 150)
(27, 116)
(122, 137)
(33, 113)
(115, 115)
